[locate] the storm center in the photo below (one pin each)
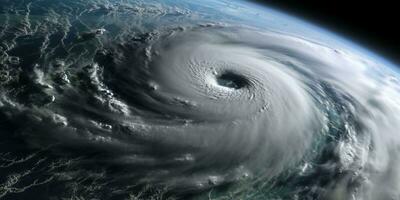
(231, 80)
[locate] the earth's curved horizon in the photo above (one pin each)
(210, 99)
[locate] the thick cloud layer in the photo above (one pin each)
(188, 110)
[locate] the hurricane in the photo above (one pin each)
(121, 99)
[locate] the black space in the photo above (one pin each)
(373, 24)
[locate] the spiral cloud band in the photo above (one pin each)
(211, 109)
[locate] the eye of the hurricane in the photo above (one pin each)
(232, 80)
